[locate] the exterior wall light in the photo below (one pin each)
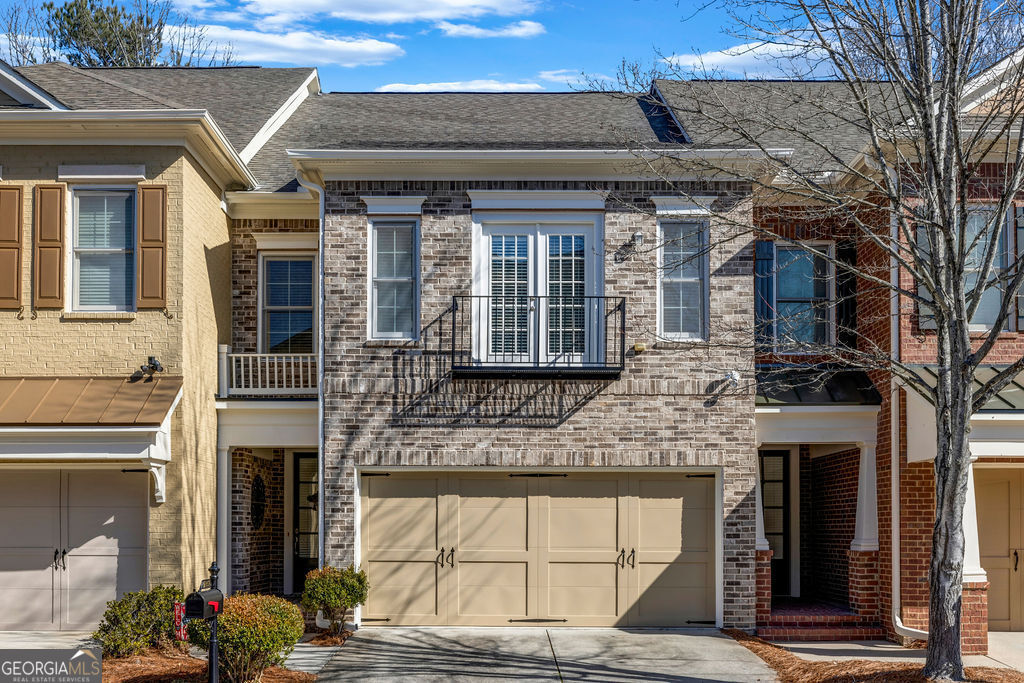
(152, 366)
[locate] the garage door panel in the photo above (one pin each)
(28, 583)
(491, 514)
(402, 589)
(579, 589)
(404, 512)
(30, 527)
(91, 581)
(492, 589)
(29, 488)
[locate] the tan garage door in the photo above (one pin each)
(577, 549)
(69, 541)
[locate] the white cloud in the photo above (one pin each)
(303, 47)
(387, 11)
(519, 29)
(754, 60)
(478, 85)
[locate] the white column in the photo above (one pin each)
(760, 542)
(865, 535)
(223, 370)
(224, 516)
(973, 572)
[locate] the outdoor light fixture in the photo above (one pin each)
(152, 366)
(638, 239)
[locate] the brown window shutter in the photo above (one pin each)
(48, 257)
(151, 250)
(10, 247)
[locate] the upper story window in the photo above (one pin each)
(394, 274)
(795, 297)
(976, 234)
(683, 288)
(103, 248)
(287, 303)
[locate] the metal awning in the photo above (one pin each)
(814, 386)
(87, 401)
(1011, 398)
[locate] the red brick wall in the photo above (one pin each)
(863, 582)
(763, 583)
(832, 515)
(257, 555)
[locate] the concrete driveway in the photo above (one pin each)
(536, 654)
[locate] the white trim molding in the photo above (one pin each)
(286, 241)
(300, 204)
(24, 90)
(865, 536)
(394, 206)
(684, 206)
(101, 173)
(266, 424)
(309, 87)
(790, 424)
(537, 200)
(992, 435)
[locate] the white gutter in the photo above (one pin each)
(320, 436)
(894, 447)
(526, 154)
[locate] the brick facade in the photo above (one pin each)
(832, 480)
(394, 405)
(764, 586)
(257, 562)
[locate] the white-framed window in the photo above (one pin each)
(103, 248)
(537, 285)
(287, 302)
(394, 279)
(683, 287)
(804, 297)
(988, 309)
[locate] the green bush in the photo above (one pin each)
(255, 632)
(334, 592)
(138, 621)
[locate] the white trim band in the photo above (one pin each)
(537, 200)
(101, 173)
(268, 241)
(683, 206)
(394, 206)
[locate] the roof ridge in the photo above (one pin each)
(123, 86)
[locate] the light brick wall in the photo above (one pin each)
(391, 404)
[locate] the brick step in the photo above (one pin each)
(821, 633)
(813, 622)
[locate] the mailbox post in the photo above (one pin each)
(206, 604)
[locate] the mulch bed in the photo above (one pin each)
(158, 666)
(792, 669)
(327, 639)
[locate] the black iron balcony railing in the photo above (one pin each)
(538, 336)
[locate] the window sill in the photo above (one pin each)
(669, 343)
(98, 315)
(392, 343)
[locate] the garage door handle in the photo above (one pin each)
(63, 559)
(56, 559)
(621, 561)
(440, 557)
(632, 558)
(451, 557)
(1016, 558)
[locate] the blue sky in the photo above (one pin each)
(524, 45)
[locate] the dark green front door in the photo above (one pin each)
(306, 518)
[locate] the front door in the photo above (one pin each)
(1000, 500)
(775, 506)
(306, 536)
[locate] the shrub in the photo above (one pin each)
(138, 621)
(334, 592)
(255, 632)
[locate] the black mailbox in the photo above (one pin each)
(204, 604)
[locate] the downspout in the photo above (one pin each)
(894, 444)
(314, 187)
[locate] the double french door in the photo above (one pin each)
(506, 549)
(540, 294)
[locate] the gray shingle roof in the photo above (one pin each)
(240, 99)
(814, 118)
(573, 120)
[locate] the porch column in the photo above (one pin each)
(973, 572)
(865, 537)
(224, 516)
(760, 542)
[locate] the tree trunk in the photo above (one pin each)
(954, 397)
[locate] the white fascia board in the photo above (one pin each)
(815, 424)
(211, 134)
(24, 90)
(310, 86)
(286, 241)
(282, 205)
(553, 155)
(992, 434)
(683, 206)
(483, 200)
(267, 424)
(101, 173)
(394, 206)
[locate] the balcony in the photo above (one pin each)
(267, 374)
(538, 337)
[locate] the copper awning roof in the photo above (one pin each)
(86, 401)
